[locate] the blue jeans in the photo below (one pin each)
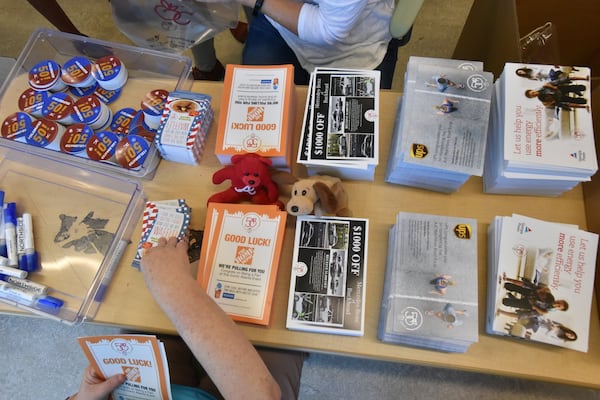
(265, 46)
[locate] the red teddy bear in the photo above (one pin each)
(250, 181)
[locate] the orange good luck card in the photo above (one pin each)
(141, 358)
(257, 113)
(239, 263)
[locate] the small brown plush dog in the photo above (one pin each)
(318, 195)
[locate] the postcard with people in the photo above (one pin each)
(547, 120)
(541, 281)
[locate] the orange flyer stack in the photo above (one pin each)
(257, 113)
(240, 258)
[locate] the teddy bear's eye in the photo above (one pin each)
(256, 174)
(295, 193)
(304, 192)
(246, 173)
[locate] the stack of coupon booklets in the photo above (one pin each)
(340, 131)
(257, 113)
(165, 218)
(183, 128)
(541, 136)
(239, 259)
(430, 290)
(541, 281)
(329, 275)
(441, 124)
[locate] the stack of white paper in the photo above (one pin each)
(340, 131)
(441, 124)
(430, 291)
(541, 138)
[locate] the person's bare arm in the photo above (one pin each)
(217, 342)
(285, 12)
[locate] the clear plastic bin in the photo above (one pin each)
(82, 222)
(147, 70)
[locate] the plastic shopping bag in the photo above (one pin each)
(172, 25)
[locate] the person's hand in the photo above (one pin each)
(95, 388)
(166, 263)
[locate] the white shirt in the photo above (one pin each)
(341, 33)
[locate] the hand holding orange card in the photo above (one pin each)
(240, 258)
(140, 357)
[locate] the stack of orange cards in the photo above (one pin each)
(240, 258)
(257, 113)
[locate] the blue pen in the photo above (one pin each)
(10, 230)
(3, 252)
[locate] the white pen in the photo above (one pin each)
(28, 259)
(10, 229)
(29, 298)
(26, 284)
(12, 271)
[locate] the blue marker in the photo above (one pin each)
(2, 234)
(29, 298)
(10, 230)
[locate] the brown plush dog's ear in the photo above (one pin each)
(326, 197)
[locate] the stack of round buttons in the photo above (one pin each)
(110, 72)
(153, 105)
(58, 107)
(75, 139)
(45, 75)
(32, 101)
(16, 126)
(132, 151)
(45, 133)
(102, 146)
(77, 72)
(93, 112)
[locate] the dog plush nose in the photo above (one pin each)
(294, 209)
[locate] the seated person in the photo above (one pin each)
(235, 368)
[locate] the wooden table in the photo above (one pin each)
(129, 304)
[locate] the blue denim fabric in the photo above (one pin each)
(265, 46)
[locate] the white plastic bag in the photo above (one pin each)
(172, 25)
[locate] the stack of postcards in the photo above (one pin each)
(430, 290)
(541, 281)
(257, 113)
(541, 135)
(329, 275)
(183, 128)
(165, 218)
(340, 131)
(441, 124)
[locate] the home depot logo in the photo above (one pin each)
(243, 255)
(255, 114)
